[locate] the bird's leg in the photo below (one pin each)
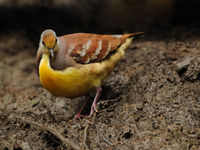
(93, 107)
(78, 114)
(94, 104)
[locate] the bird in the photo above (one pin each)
(74, 64)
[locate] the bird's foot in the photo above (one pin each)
(96, 99)
(93, 109)
(78, 116)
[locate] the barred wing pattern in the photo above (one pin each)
(86, 48)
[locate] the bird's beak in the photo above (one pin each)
(51, 52)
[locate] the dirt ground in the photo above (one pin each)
(150, 101)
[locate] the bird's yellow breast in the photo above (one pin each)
(71, 82)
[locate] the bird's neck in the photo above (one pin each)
(56, 62)
(61, 62)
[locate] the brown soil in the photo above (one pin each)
(150, 101)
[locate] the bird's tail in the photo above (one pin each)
(135, 35)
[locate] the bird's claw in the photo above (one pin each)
(93, 108)
(78, 116)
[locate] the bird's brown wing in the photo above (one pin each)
(87, 48)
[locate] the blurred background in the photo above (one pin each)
(31, 17)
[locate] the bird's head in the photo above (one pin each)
(49, 42)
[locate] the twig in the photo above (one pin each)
(108, 142)
(85, 136)
(65, 141)
(107, 101)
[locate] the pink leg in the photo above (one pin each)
(94, 104)
(78, 114)
(93, 107)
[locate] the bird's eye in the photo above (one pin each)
(56, 40)
(43, 43)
